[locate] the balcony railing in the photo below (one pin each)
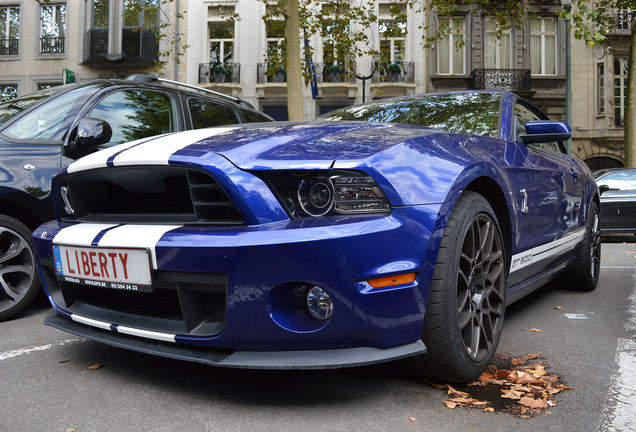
(219, 73)
(138, 43)
(270, 72)
(508, 79)
(394, 72)
(623, 20)
(9, 46)
(52, 45)
(328, 73)
(95, 44)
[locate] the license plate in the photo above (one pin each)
(116, 268)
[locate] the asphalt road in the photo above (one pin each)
(46, 383)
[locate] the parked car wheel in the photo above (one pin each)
(465, 311)
(19, 279)
(583, 276)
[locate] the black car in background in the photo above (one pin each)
(44, 131)
(618, 199)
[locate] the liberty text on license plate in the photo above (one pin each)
(116, 268)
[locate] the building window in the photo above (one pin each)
(601, 88)
(137, 13)
(624, 19)
(53, 29)
(620, 90)
(221, 42)
(497, 53)
(331, 52)
(8, 92)
(275, 36)
(45, 86)
(543, 46)
(9, 30)
(392, 40)
(99, 19)
(451, 49)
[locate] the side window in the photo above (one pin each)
(207, 114)
(525, 114)
(623, 180)
(135, 114)
(254, 117)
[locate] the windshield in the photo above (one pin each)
(13, 107)
(471, 113)
(47, 121)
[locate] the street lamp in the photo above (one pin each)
(375, 60)
(567, 7)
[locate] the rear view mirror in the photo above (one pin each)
(545, 131)
(92, 132)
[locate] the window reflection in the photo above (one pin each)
(472, 113)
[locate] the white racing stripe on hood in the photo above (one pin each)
(136, 236)
(147, 151)
(99, 159)
(80, 234)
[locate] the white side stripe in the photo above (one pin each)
(545, 251)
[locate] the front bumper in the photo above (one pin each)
(232, 291)
(310, 359)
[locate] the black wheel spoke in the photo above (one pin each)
(480, 317)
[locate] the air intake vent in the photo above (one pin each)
(146, 195)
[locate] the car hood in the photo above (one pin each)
(310, 145)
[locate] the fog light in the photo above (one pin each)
(318, 303)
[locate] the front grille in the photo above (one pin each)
(180, 303)
(145, 195)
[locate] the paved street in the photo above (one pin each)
(47, 384)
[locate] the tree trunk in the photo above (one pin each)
(630, 106)
(294, 67)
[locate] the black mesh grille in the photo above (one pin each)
(146, 194)
(161, 303)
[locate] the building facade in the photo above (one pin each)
(91, 38)
(108, 38)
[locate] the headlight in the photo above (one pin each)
(320, 193)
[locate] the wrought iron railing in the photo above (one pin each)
(95, 44)
(139, 43)
(219, 73)
(9, 46)
(619, 122)
(270, 72)
(52, 45)
(508, 79)
(332, 72)
(623, 19)
(394, 72)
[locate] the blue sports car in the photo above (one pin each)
(395, 230)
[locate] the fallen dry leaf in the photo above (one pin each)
(412, 418)
(96, 366)
(532, 330)
(489, 409)
(71, 429)
(63, 361)
(533, 403)
(450, 404)
(559, 307)
(83, 373)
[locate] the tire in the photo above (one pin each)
(584, 274)
(467, 299)
(19, 279)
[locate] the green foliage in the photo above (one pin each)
(394, 68)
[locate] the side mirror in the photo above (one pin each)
(92, 132)
(545, 131)
(603, 188)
